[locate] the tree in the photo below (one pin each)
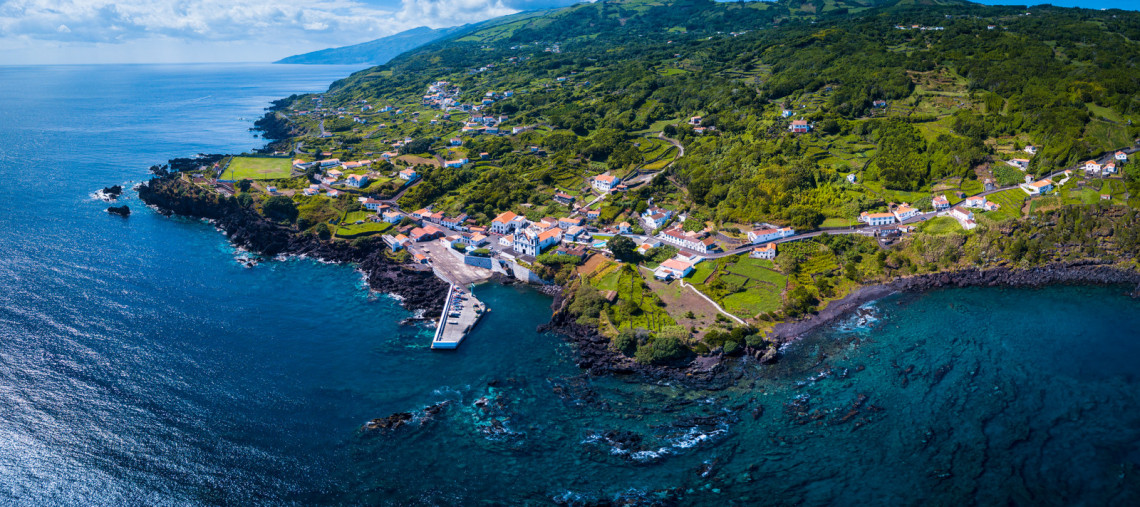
(244, 185)
(623, 249)
(279, 208)
(322, 230)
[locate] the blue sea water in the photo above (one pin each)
(140, 363)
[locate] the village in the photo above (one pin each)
(671, 249)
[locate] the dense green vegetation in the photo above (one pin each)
(905, 113)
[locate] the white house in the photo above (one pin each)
(605, 182)
(765, 251)
(1038, 187)
(964, 217)
(357, 180)
(655, 217)
(766, 235)
(678, 237)
(1092, 167)
(672, 268)
(1020, 163)
(455, 163)
(505, 223)
(409, 174)
(799, 127)
(391, 217)
(567, 222)
(1032, 150)
(1121, 156)
(974, 201)
(623, 227)
(397, 242)
(877, 218)
(940, 202)
(455, 141)
(904, 212)
(330, 162)
(851, 178)
(1109, 168)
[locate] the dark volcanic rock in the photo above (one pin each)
(418, 288)
(112, 192)
(388, 423)
(595, 355)
(123, 210)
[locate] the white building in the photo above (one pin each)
(654, 217)
(356, 180)
(964, 217)
(940, 202)
(1092, 167)
(765, 251)
(877, 218)
(766, 235)
(905, 212)
(1038, 187)
(605, 182)
(506, 223)
(672, 268)
(1121, 156)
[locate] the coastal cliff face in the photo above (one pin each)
(418, 288)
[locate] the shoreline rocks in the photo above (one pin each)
(123, 211)
(595, 355)
(418, 289)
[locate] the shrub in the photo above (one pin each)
(280, 208)
(625, 342)
(663, 349)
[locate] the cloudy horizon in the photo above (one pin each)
(187, 31)
(220, 31)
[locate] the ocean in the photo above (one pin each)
(142, 363)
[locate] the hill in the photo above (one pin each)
(374, 52)
(912, 97)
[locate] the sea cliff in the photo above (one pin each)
(418, 288)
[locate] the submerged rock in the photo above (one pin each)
(388, 423)
(123, 210)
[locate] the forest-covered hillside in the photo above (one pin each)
(912, 98)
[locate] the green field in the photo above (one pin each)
(942, 225)
(258, 168)
(744, 286)
(1010, 200)
(365, 229)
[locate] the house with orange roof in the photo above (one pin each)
(940, 202)
(1092, 166)
(904, 212)
(504, 223)
(875, 219)
(1121, 156)
(409, 174)
(672, 268)
(605, 182)
(356, 180)
(1109, 168)
(964, 217)
(397, 242)
(766, 235)
(765, 251)
(1038, 187)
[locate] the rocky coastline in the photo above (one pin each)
(418, 289)
(715, 372)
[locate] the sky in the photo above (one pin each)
(160, 31)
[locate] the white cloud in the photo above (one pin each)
(291, 25)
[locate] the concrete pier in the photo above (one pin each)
(461, 312)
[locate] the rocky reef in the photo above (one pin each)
(418, 288)
(122, 211)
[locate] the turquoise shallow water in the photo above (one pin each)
(141, 364)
